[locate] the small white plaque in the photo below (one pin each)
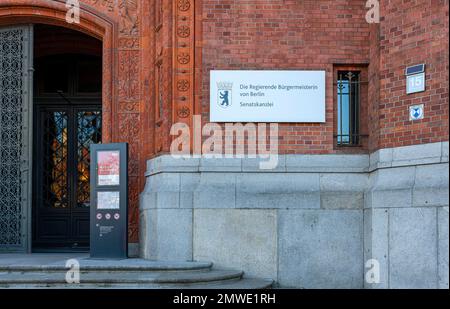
(415, 83)
(416, 112)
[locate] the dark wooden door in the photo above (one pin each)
(67, 120)
(64, 135)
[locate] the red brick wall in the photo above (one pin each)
(374, 87)
(286, 34)
(413, 32)
(276, 34)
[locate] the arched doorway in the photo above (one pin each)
(46, 128)
(17, 21)
(67, 105)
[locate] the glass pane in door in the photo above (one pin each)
(55, 141)
(89, 131)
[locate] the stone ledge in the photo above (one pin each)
(330, 163)
(409, 155)
(254, 190)
(408, 186)
(286, 164)
(168, 164)
(328, 182)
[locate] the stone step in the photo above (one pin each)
(242, 284)
(129, 265)
(153, 277)
(49, 271)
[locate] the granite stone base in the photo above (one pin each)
(313, 222)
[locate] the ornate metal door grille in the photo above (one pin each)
(15, 136)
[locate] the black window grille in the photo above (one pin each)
(348, 108)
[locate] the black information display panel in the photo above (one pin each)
(109, 201)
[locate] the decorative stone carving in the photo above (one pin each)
(128, 24)
(129, 127)
(183, 85)
(184, 112)
(128, 75)
(183, 70)
(158, 12)
(129, 43)
(133, 209)
(184, 31)
(184, 58)
(128, 107)
(109, 4)
(184, 5)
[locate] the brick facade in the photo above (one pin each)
(153, 49)
(281, 35)
(412, 32)
(300, 35)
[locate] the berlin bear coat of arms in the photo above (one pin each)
(224, 94)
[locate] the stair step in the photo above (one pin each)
(49, 271)
(153, 277)
(129, 265)
(245, 283)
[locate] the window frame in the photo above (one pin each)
(360, 129)
(348, 86)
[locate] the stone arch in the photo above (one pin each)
(92, 22)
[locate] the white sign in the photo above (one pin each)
(267, 96)
(416, 112)
(415, 83)
(108, 200)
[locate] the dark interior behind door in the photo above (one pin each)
(68, 119)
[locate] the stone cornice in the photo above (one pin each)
(334, 163)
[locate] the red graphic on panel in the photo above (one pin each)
(108, 168)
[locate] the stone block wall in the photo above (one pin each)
(311, 223)
(406, 216)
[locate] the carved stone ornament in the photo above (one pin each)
(184, 58)
(184, 5)
(183, 31)
(183, 85)
(184, 112)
